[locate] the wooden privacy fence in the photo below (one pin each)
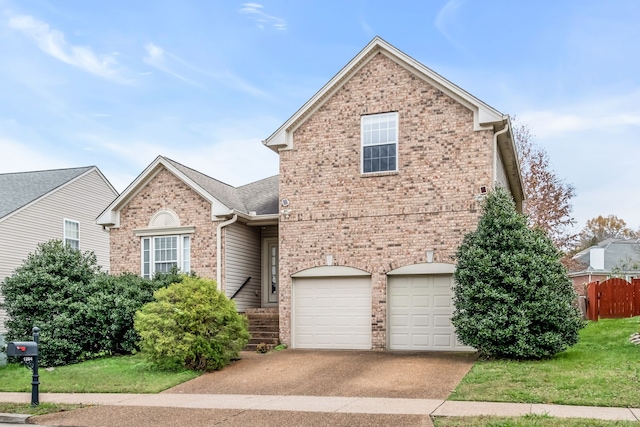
(613, 298)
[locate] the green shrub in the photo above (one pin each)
(111, 307)
(49, 290)
(512, 295)
(82, 312)
(193, 325)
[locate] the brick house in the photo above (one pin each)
(381, 173)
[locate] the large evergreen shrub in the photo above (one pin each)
(512, 295)
(49, 290)
(82, 312)
(191, 324)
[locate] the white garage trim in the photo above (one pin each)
(420, 309)
(331, 271)
(424, 268)
(331, 312)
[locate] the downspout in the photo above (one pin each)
(495, 153)
(219, 249)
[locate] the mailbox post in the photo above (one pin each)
(35, 379)
(28, 351)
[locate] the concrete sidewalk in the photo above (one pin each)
(330, 404)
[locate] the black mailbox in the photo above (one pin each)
(22, 349)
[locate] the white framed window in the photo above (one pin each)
(379, 135)
(72, 233)
(159, 254)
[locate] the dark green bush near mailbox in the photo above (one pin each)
(191, 325)
(81, 311)
(513, 296)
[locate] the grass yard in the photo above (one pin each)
(603, 369)
(526, 421)
(41, 409)
(122, 374)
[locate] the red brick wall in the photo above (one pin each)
(379, 223)
(165, 191)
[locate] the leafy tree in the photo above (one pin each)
(600, 228)
(193, 325)
(548, 204)
(512, 295)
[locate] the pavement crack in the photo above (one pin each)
(437, 407)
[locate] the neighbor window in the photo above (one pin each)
(162, 253)
(379, 142)
(72, 233)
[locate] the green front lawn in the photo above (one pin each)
(603, 369)
(122, 374)
(41, 409)
(526, 421)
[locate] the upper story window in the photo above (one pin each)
(161, 253)
(72, 233)
(379, 134)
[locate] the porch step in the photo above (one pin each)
(264, 327)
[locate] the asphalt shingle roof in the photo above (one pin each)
(616, 253)
(260, 196)
(21, 188)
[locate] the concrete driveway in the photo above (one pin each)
(416, 375)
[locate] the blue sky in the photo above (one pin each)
(116, 83)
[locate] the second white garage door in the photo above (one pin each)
(420, 309)
(332, 313)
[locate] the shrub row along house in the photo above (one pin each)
(54, 204)
(381, 173)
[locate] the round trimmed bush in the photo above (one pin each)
(191, 325)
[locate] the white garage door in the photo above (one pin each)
(420, 309)
(332, 313)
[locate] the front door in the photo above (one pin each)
(271, 272)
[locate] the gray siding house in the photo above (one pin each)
(39, 206)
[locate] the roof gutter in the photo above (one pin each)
(219, 249)
(495, 152)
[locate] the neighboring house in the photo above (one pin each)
(609, 258)
(39, 206)
(381, 175)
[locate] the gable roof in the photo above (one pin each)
(484, 115)
(617, 253)
(17, 190)
(260, 197)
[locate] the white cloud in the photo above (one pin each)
(447, 21)
(53, 43)
(593, 145)
(169, 63)
(156, 57)
(256, 13)
(604, 114)
(21, 157)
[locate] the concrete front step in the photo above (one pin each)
(264, 327)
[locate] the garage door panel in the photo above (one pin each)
(332, 313)
(420, 320)
(420, 308)
(442, 321)
(399, 320)
(419, 340)
(440, 301)
(421, 301)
